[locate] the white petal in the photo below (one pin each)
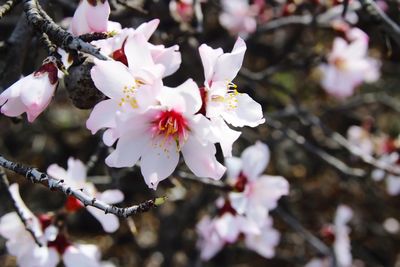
(111, 196)
(103, 74)
(255, 160)
(129, 148)
(102, 115)
(393, 185)
(109, 222)
(239, 202)
(264, 243)
(200, 158)
(159, 161)
(76, 171)
(148, 28)
(191, 94)
(82, 255)
(209, 58)
(233, 168)
(228, 227)
(57, 172)
(247, 112)
(13, 107)
(229, 64)
(224, 135)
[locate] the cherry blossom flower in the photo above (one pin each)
(75, 176)
(31, 94)
(392, 181)
(169, 57)
(90, 16)
(221, 98)
(226, 228)
(159, 133)
(348, 65)
(341, 245)
(181, 10)
(128, 89)
(55, 246)
(239, 17)
(255, 194)
(361, 139)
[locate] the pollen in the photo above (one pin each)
(230, 97)
(172, 126)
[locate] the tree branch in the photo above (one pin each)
(7, 6)
(52, 183)
(24, 220)
(56, 34)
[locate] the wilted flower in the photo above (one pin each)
(31, 94)
(55, 246)
(75, 177)
(349, 65)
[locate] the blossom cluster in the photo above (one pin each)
(55, 245)
(244, 212)
(145, 118)
(348, 65)
(340, 232)
(382, 146)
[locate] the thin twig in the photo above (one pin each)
(308, 236)
(354, 150)
(300, 140)
(56, 34)
(7, 6)
(24, 220)
(387, 23)
(52, 183)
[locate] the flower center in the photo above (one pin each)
(203, 94)
(61, 243)
(229, 98)
(227, 208)
(172, 125)
(339, 63)
(241, 183)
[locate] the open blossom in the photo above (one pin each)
(239, 17)
(158, 134)
(75, 176)
(55, 246)
(227, 227)
(341, 245)
(222, 101)
(31, 94)
(392, 181)
(181, 10)
(255, 194)
(360, 138)
(128, 89)
(114, 47)
(90, 16)
(348, 65)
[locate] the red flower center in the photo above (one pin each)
(241, 183)
(61, 243)
(227, 208)
(72, 204)
(171, 124)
